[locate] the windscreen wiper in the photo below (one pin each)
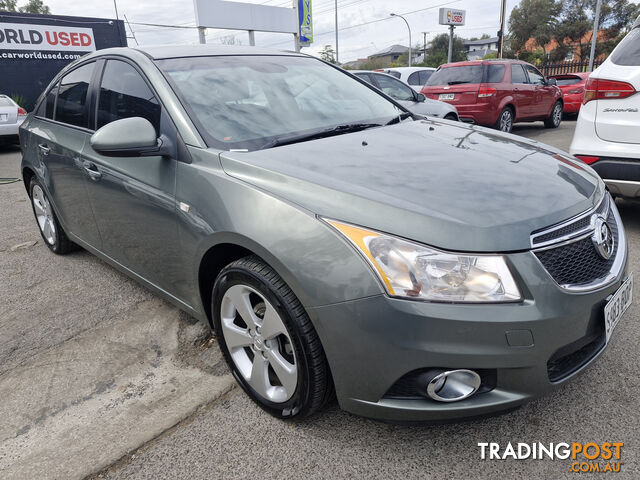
(457, 82)
(399, 118)
(329, 132)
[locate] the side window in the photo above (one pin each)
(425, 75)
(48, 103)
(495, 73)
(394, 88)
(517, 74)
(364, 76)
(414, 79)
(125, 94)
(72, 96)
(535, 76)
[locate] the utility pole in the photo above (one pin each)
(115, 5)
(201, 36)
(133, 34)
(594, 35)
(503, 13)
(424, 45)
(450, 53)
(337, 61)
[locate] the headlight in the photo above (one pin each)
(415, 271)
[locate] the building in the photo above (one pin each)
(355, 64)
(477, 49)
(389, 55)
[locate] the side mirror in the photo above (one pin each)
(552, 81)
(128, 137)
(421, 97)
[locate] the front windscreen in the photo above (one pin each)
(245, 102)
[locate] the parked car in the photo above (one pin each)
(572, 86)
(415, 77)
(11, 117)
(415, 102)
(607, 131)
(497, 93)
(332, 240)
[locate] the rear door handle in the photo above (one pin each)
(44, 149)
(92, 170)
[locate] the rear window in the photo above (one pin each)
(567, 80)
(495, 73)
(5, 102)
(456, 75)
(628, 51)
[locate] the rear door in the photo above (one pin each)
(618, 104)
(61, 128)
(134, 197)
(457, 85)
(523, 91)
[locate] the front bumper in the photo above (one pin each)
(373, 342)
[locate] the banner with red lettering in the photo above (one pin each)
(23, 36)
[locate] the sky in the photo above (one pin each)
(355, 41)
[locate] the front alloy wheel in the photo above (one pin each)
(268, 340)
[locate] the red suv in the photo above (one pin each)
(497, 93)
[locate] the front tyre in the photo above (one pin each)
(268, 340)
(505, 120)
(555, 117)
(52, 233)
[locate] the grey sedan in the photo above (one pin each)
(415, 102)
(416, 269)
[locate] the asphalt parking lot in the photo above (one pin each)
(100, 378)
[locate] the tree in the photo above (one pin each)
(438, 50)
(328, 54)
(535, 19)
(574, 30)
(32, 6)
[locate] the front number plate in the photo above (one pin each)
(446, 96)
(615, 308)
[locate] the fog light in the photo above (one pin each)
(453, 385)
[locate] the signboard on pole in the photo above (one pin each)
(452, 16)
(305, 19)
(245, 16)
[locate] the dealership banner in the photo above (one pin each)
(34, 48)
(16, 36)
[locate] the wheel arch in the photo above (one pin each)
(27, 175)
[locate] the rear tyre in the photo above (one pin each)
(505, 120)
(52, 233)
(555, 117)
(451, 116)
(268, 340)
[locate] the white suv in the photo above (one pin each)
(607, 135)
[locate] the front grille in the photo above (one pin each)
(571, 358)
(579, 263)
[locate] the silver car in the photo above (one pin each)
(11, 117)
(405, 95)
(418, 269)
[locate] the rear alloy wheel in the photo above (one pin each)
(268, 340)
(554, 119)
(52, 233)
(505, 120)
(451, 116)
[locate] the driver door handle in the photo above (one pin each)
(92, 170)
(44, 149)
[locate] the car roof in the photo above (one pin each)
(408, 69)
(571, 74)
(158, 52)
(482, 62)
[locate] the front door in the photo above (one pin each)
(544, 97)
(134, 197)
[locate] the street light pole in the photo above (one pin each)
(594, 36)
(337, 61)
(405, 21)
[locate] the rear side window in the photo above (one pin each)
(394, 73)
(425, 75)
(125, 94)
(364, 76)
(517, 74)
(5, 102)
(46, 106)
(495, 73)
(394, 88)
(72, 96)
(456, 75)
(628, 51)
(414, 79)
